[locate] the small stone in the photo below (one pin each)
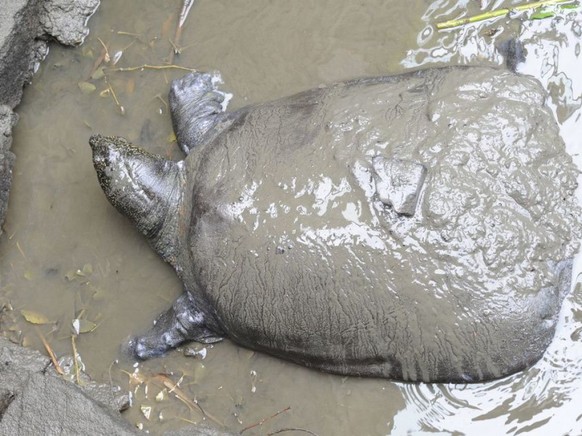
(194, 352)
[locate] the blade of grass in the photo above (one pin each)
(497, 13)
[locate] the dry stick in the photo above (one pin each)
(262, 421)
(136, 35)
(111, 379)
(164, 381)
(112, 92)
(50, 352)
(178, 35)
(173, 388)
(498, 13)
(151, 67)
(283, 430)
(98, 62)
(21, 252)
(75, 362)
(106, 56)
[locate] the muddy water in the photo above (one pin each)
(66, 253)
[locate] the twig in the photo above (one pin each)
(75, 362)
(166, 382)
(282, 430)
(106, 56)
(159, 97)
(136, 35)
(50, 352)
(498, 13)
(178, 35)
(173, 388)
(20, 249)
(262, 421)
(151, 67)
(111, 379)
(110, 90)
(98, 61)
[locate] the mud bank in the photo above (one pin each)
(34, 399)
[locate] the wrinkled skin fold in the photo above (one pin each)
(416, 227)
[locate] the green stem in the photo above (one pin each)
(497, 13)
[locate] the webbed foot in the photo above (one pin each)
(182, 322)
(197, 106)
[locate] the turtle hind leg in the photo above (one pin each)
(197, 107)
(184, 321)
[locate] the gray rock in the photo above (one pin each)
(111, 396)
(6, 398)
(49, 405)
(7, 120)
(18, 362)
(19, 28)
(66, 21)
(34, 400)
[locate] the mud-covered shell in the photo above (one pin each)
(292, 244)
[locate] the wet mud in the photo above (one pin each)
(68, 255)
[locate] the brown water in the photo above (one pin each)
(67, 253)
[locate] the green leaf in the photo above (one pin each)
(34, 317)
(83, 326)
(86, 87)
(541, 15)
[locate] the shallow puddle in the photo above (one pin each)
(67, 254)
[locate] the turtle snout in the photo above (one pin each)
(98, 144)
(104, 146)
(95, 141)
(102, 150)
(111, 155)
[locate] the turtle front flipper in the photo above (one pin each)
(183, 322)
(197, 107)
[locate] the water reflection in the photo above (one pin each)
(545, 397)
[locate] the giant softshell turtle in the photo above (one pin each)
(417, 227)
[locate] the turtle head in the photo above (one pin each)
(144, 187)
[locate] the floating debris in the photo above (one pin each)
(176, 49)
(116, 57)
(164, 381)
(161, 395)
(87, 270)
(86, 87)
(146, 411)
(254, 377)
(152, 67)
(262, 421)
(50, 352)
(28, 275)
(193, 351)
(35, 317)
(98, 74)
(83, 326)
(504, 12)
